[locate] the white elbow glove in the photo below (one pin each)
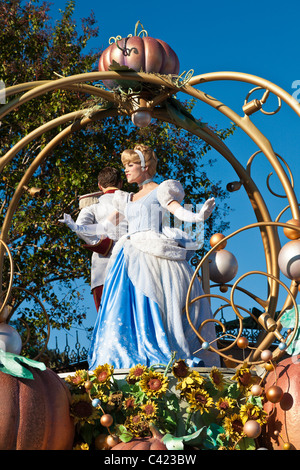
(205, 212)
(89, 230)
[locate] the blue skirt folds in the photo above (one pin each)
(129, 329)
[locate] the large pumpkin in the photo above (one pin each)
(35, 414)
(283, 423)
(142, 54)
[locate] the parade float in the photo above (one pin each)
(251, 401)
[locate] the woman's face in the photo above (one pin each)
(134, 173)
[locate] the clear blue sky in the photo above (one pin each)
(260, 38)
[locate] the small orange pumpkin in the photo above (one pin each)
(153, 442)
(35, 413)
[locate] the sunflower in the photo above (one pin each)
(251, 411)
(83, 446)
(135, 373)
(200, 400)
(103, 374)
(243, 377)
(78, 379)
(216, 378)
(180, 369)
(154, 384)
(129, 404)
(225, 406)
(82, 410)
(193, 381)
(149, 409)
(137, 425)
(233, 426)
(114, 402)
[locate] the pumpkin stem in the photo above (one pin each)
(143, 31)
(155, 432)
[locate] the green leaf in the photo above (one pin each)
(13, 364)
(177, 443)
(246, 444)
(173, 443)
(234, 391)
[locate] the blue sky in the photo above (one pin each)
(258, 38)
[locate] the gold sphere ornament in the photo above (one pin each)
(256, 390)
(88, 384)
(286, 446)
(242, 342)
(269, 366)
(112, 440)
(106, 420)
(100, 442)
(274, 394)
(289, 232)
(223, 288)
(252, 429)
(266, 355)
(216, 238)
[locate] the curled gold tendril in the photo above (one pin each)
(182, 79)
(115, 39)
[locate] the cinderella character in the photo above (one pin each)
(141, 319)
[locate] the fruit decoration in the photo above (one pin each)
(140, 53)
(153, 442)
(34, 409)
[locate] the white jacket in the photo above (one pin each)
(93, 214)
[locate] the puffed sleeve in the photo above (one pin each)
(168, 191)
(120, 201)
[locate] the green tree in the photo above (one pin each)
(47, 256)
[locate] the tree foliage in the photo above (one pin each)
(47, 256)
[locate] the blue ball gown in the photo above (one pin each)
(141, 318)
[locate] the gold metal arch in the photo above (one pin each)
(165, 87)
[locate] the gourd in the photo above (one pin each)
(153, 442)
(35, 413)
(142, 54)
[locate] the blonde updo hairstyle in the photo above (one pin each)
(130, 156)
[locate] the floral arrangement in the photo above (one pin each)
(191, 410)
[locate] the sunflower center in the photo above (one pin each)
(154, 384)
(237, 426)
(138, 371)
(224, 405)
(148, 409)
(102, 376)
(200, 398)
(216, 378)
(245, 378)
